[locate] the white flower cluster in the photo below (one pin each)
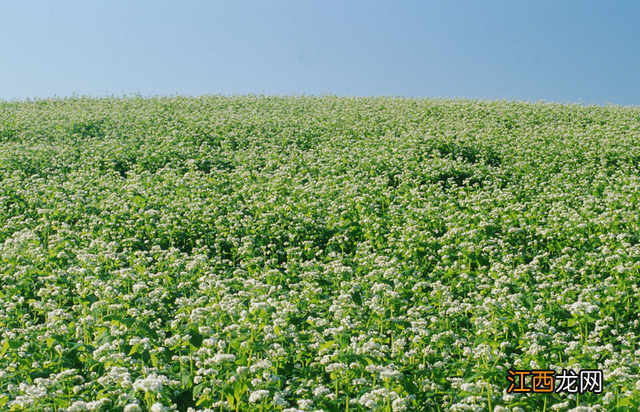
(152, 383)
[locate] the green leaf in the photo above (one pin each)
(5, 347)
(196, 338)
(185, 378)
(203, 398)
(231, 399)
(149, 332)
(199, 387)
(14, 344)
(154, 359)
(113, 318)
(473, 377)
(134, 349)
(239, 389)
(410, 386)
(105, 337)
(357, 298)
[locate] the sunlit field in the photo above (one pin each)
(291, 254)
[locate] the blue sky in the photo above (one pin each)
(561, 51)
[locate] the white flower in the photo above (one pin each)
(367, 400)
(158, 407)
(257, 396)
(152, 383)
(78, 406)
(278, 400)
(607, 398)
(559, 406)
(390, 374)
(305, 404)
(583, 409)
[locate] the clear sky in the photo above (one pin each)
(557, 51)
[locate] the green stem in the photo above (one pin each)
(347, 391)
(180, 357)
(386, 381)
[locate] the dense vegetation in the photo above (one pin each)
(315, 253)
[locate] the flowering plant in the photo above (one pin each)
(257, 253)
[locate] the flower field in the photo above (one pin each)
(256, 253)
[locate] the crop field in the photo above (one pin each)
(259, 253)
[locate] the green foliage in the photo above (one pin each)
(270, 253)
